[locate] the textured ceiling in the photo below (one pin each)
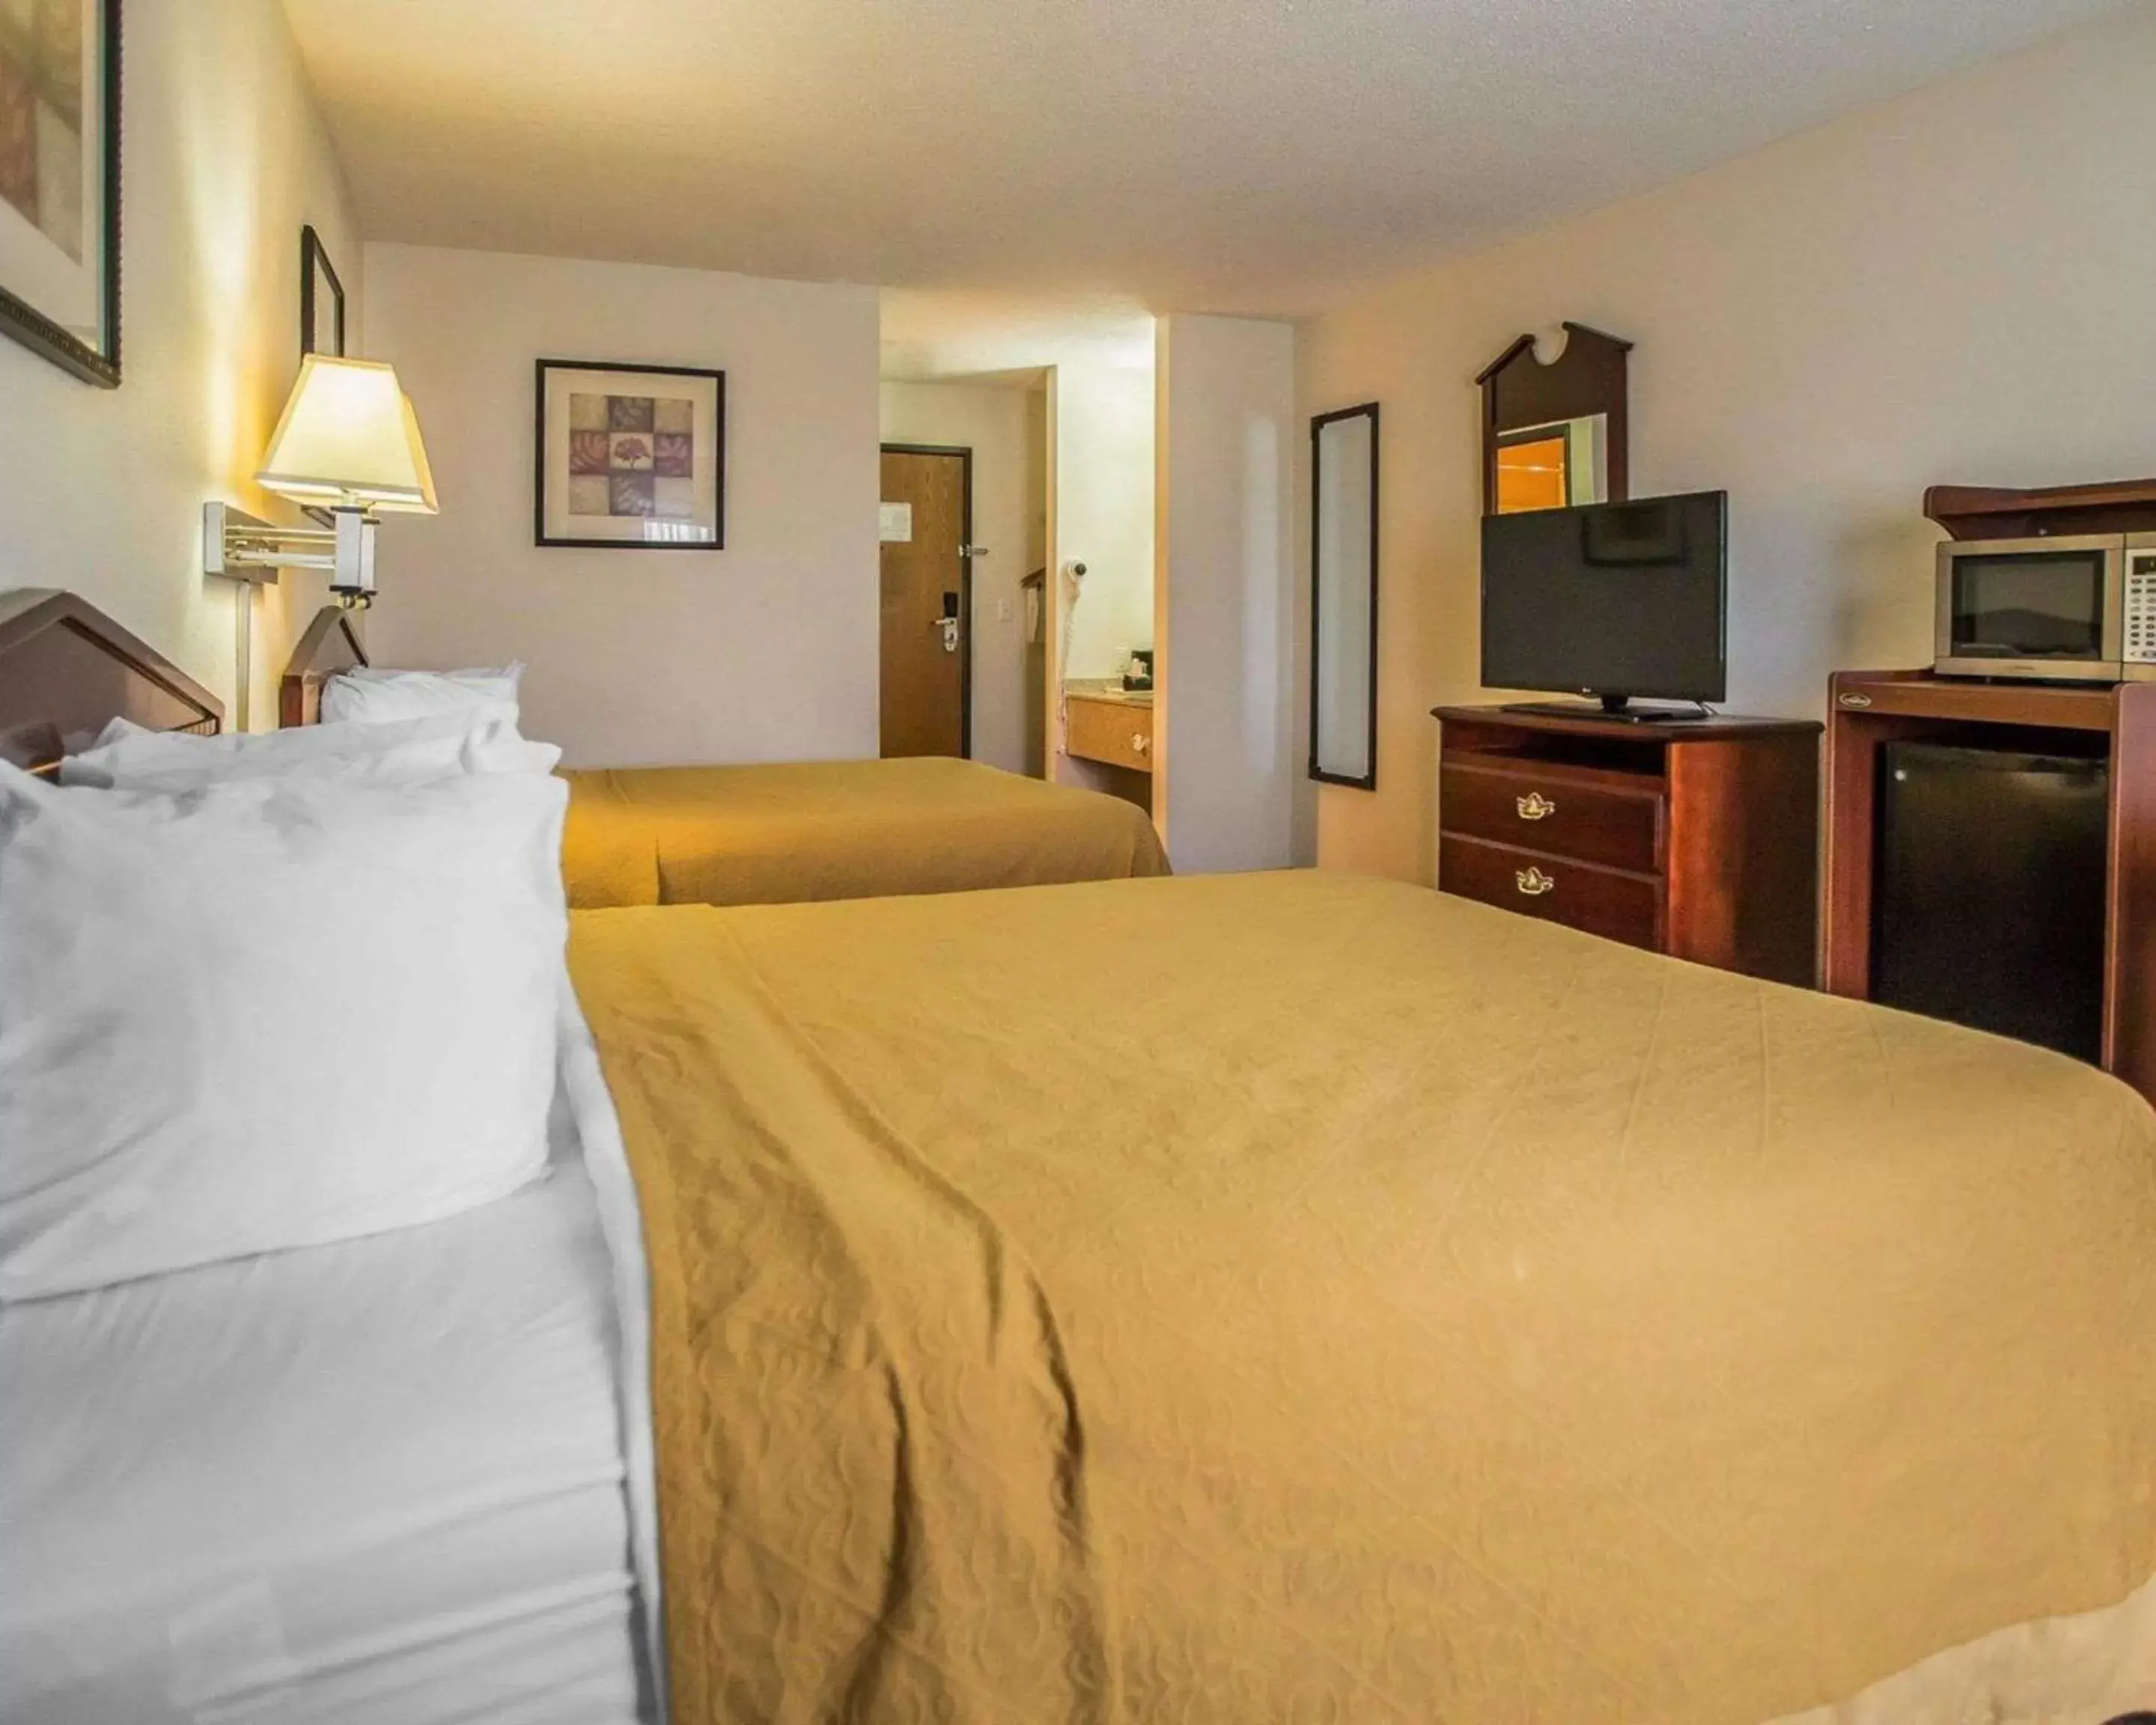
(990, 337)
(1256, 155)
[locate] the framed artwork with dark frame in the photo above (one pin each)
(321, 319)
(59, 182)
(630, 457)
(321, 299)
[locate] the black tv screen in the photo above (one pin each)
(1611, 599)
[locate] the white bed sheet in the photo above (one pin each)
(384, 1481)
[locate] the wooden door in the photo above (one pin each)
(927, 601)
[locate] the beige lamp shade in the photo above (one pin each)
(349, 438)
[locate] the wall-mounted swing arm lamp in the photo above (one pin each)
(349, 442)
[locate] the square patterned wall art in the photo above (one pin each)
(631, 456)
(60, 182)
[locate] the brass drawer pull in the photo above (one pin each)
(1535, 806)
(1534, 882)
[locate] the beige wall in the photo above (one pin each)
(1036, 468)
(1103, 455)
(1224, 726)
(992, 423)
(224, 160)
(765, 650)
(1955, 286)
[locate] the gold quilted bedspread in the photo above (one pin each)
(792, 832)
(1297, 1298)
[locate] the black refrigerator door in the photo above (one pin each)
(1988, 904)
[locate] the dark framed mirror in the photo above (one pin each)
(1343, 597)
(1555, 431)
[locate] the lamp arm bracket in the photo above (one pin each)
(243, 547)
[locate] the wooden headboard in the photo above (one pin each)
(330, 645)
(67, 671)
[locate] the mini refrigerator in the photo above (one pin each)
(1988, 895)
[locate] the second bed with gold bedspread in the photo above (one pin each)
(1379, 1308)
(790, 832)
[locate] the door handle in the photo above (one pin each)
(972, 550)
(949, 625)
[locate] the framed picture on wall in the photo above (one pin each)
(321, 317)
(321, 299)
(631, 457)
(59, 182)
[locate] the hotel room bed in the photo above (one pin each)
(381, 1480)
(1426, 1314)
(792, 832)
(1211, 1300)
(1295, 1297)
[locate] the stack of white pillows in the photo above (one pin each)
(264, 991)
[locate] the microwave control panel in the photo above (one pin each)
(2141, 607)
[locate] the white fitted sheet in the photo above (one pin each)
(380, 1480)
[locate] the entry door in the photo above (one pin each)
(927, 600)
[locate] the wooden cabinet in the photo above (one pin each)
(1610, 902)
(1101, 728)
(1699, 839)
(1600, 816)
(2116, 724)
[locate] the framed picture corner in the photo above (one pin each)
(60, 184)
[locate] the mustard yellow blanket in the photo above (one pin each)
(1292, 1297)
(789, 833)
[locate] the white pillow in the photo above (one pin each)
(267, 1014)
(369, 696)
(127, 756)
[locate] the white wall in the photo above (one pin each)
(764, 650)
(990, 421)
(1036, 467)
(223, 160)
(1226, 633)
(1102, 445)
(1953, 286)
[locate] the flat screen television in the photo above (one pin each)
(1614, 600)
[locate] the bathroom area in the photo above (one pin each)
(1099, 574)
(1098, 427)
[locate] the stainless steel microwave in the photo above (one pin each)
(2080, 609)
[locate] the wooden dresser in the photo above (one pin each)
(1699, 839)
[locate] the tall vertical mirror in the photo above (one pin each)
(1343, 624)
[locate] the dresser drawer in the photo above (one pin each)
(1596, 901)
(1565, 813)
(1119, 732)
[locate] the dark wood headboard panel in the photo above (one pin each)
(67, 671)
(331, 644)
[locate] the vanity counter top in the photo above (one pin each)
(1112, 697)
